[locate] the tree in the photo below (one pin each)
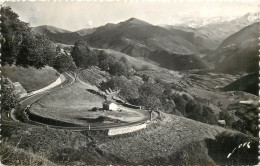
(35, 51)
(150, 95)
(128, 89)
(22, 47)
(105, 61)
(12, 32)
(9, 98)
(83, 55)
(118, 68)
(64, 63)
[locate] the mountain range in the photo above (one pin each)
(223, 43)
(203, 38)
(208, 36)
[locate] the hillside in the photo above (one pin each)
(86, 31)
(137, 63)
(201, 42)
(247, 83)
(179, 62)
(172, 139)
(48, 29)
(138, 38)
(30, 78)
(178, 39)
(238, 53)
(133, 37)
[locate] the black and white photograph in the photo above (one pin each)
(128, 82)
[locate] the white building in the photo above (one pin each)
(108, 105)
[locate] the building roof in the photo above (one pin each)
(223, 122)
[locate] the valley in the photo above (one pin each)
(130, 93)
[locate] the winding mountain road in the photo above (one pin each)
(69, 80)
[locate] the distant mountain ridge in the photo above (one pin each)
(199, 40)
(85, 31)
(138, 38)
(198, 23)
(239, 52)
(48, 29)
(214, 32)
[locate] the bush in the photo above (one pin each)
(9, 99)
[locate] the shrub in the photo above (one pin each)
(118, 68)
(9, 99)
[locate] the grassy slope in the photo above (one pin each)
(172, 140)
(93, 76)
(247, 83)
(58, 146)
(161, 141)
(30, 78)
(73, 104)
(135, 62)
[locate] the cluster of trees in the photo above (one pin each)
(128, 87)
(22, 47)
(248, 120)
(85, 57)
(155, 94)
(63, 62)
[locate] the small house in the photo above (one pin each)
(109, 105)
(222, 123)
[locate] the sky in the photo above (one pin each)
(78, 15)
